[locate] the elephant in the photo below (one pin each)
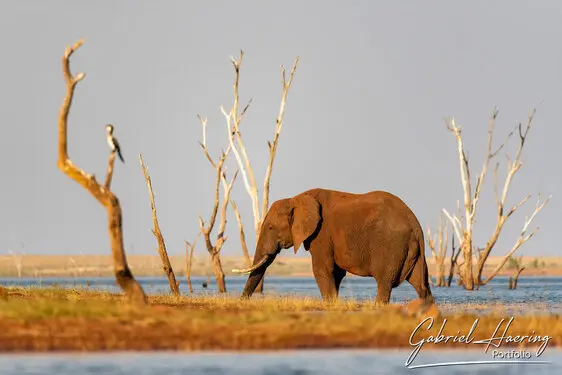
(370, 234)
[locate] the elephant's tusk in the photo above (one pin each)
(253, 268)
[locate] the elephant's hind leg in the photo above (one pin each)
(325, 278)
(383, 292)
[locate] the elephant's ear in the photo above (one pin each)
(305, 218)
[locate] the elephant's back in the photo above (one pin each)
(373, 206)
(393, 203)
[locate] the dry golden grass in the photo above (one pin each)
(35, 319)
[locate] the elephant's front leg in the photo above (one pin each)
(323, 270)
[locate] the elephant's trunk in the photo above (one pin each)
(261, 262)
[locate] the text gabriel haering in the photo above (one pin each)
(469, 338)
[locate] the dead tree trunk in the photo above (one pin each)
(102, 193)
(215, 248)
(18, 262)
(518, 265)
(516, 278)
(233, 121)
(218, 272)
(188, 261)
(189, 248)
(464, 231)
(166, 265)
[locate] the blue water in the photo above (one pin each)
(536, 294)
(338, 362)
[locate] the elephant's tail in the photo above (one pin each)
(416, 253)
(415, 247)
(422, 267)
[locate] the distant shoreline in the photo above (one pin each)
(149, 265)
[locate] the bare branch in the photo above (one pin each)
(515, 207)
(489, 156)
(109, 174)
(465, 171)
(456, 225)
(242, 235)
(523, 237)
(226, 199)
(496, 194)
(278, 127)
(203, 144)
(166, 265)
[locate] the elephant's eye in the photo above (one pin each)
(269, 227)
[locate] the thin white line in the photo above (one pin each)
(499, 362)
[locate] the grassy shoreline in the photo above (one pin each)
(51, 319)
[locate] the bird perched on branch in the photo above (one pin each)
(112, 141)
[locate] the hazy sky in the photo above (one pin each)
(375, 80)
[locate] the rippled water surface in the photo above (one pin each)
(270, 363)
(542, 294)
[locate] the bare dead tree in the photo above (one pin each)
(464, 231)
(214, 249)
(166, 265)
(17, 260)
(233, 121)
(438, 248)
(102, 193)
(189, 249)
(515, 279)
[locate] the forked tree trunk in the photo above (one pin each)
(214, 249)
(102, 193)
(513, 281)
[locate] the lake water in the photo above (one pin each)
(533, 294)
(338, 362)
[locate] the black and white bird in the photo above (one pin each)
(112, 142)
